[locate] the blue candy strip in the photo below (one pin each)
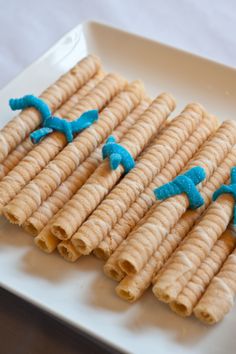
(84, 121)
(37, 136)
(31, 101)
(51, 123)
(66, 127)
(185, 183)
(117, 155)
(228, 189)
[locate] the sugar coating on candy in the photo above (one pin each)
(228, 189)
(147, 198)
(69, 129)
(185, 183)
(42, 194)
(50, 147)
(66, 162)
(117, 155)
(52, 123)
(89, 196)
(56, 95)
(149, 164)
(40, 155)
(67, 189)
(133, 286)
(29, 101)
(194, 249)
(149, 235)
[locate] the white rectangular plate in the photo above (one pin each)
(79, 293)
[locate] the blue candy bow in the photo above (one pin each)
(185, 183)
(51, 123)
(228, 189)
(117, 155)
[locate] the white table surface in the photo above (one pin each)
(28, 27)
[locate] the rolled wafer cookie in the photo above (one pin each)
(195, 248)
(136, 284)
(92, 232)
(87, 140)
(211, 265)
(101, 182)
(74, 100)
(45, 240)
(55, 95)
(23, 148)
(133, 286)
(146, 199)
(111, 267)
(147, 238)
(15, 157)
(35, 223)
(68, 251)
(172, 241)
(219, 296)
(113, 271)
(186, 222)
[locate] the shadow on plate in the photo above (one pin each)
(12, 235)
(151, 313)
(102, 295)
(54, 268)
(146, 313)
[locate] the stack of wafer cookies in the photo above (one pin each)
(71, 200)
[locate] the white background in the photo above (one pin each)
(29, 28)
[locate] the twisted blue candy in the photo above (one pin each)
(185, 183)
(228, 189)
(117, 155)
(51, 123)
(31, 101)
(64, 126)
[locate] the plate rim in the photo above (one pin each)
(89, 23)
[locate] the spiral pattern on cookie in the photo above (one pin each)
(191, 293)
(148, 237)
(103, 180)
(43, 153)
(118, 201)
(19, 127)
(133, 286)
(147, 198)
(35, 223)
(25, 146)
(219, 296)
(194, 249)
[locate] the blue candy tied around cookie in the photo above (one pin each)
(118, 155)
(51, 123)
(228, 189)
(185, 183)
